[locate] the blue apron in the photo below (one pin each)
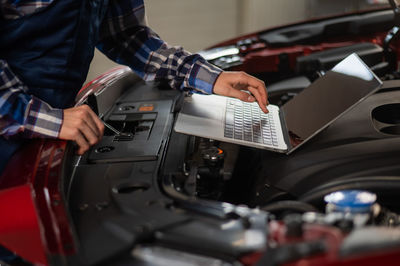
(50, 51)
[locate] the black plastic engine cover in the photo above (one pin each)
(352, 153)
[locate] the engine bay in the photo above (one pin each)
(174, 194)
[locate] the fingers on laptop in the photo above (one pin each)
(234, 84)
(255, 86)
(258, 89)
(261, 99)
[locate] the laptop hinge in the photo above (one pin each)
(285, 130)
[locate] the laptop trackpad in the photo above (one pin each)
(210, 112)
(203, 116)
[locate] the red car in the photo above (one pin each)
(153, 196)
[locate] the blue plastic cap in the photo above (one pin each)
(351, 200)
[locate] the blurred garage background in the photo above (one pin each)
(197, 24)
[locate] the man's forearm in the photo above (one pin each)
(126, 39)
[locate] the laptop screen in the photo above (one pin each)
(317, 106)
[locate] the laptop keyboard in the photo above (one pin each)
(246, 121)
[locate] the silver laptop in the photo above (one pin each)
(283, 129)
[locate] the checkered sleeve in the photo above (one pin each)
(23, 114)
(14, 9)
(126, 39)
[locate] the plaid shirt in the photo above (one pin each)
(125, 38)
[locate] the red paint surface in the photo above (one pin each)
(19, 225)
(35, 223)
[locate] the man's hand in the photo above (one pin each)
(232, 84)
(83, 126)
